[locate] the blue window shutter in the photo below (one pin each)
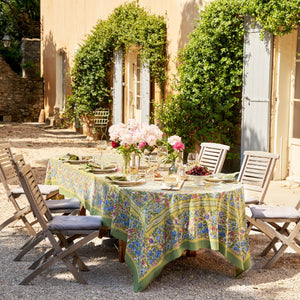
(256, 88)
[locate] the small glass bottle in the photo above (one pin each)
(173, 167)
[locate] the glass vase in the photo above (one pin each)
(173, 167)
(126, 167)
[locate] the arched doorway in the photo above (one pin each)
(131, 87)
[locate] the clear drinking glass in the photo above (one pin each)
(191, 159)
(162, 152)
(101, 146)
(152, 161)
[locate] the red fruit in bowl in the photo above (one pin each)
(198, 171)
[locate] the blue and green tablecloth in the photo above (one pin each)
(159, 225)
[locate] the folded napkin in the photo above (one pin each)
(69, 156)
(90, 167)
(116, 178)
(176, 187)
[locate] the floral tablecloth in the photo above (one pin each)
(159, 225)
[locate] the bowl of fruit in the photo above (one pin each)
(198, 174)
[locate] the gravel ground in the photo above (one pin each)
(206, 276)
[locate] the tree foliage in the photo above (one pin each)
(18, 19)
(277, 16)
(128, 24)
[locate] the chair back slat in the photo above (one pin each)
(256, 171)
(33, 193)
(101, 117)
(8, 173)
(212, 156)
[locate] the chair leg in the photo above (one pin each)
(277, 255)
(41, 259)
(38, 238)
(269, 247)
(65, 243)
(64, 256)
(50, 262)
(20, 215)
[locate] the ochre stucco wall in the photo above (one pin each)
(282, 88)
(65, 23)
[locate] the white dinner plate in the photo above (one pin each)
(128, 183)
(102, 171)
(213, 179)
(77, 162)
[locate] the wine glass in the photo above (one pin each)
(162, 152)
(152, 162)
(191, 159)
(101, 146)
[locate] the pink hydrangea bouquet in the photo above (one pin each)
(133, 138)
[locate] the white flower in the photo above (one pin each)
(116, 131)
(174, 139)
(151, 134)
(132, 124)
(127, 139)
(134, 133)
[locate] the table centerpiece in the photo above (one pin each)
(175, 150)
(133, 138)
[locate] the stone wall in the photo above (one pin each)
(31, 52)
(21, 99)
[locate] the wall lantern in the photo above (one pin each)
(6, 40)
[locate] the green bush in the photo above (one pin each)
(277, 16)
(207, 106)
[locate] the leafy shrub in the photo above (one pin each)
(207, 106)
(128, 24)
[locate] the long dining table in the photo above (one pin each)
(158, 225)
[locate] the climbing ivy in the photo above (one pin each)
(207, 106)
(128, 24)
(277, 16)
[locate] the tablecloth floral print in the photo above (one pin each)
(159, 225)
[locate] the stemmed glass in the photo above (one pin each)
(162, 152)
(101, 146)
(191, 159)
(152, 162)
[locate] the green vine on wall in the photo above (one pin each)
(128, 24)
(277, 16)
(208, 104)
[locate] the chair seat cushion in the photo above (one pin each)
(274, 212)
(62, 223)
(45, 189)
(72, 203)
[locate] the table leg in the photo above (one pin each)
(82, 211)
(191, 253)
(122, 250)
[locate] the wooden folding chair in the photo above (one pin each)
(212, 156)
(9, 176)
(274, 221)
(62, 227)
(255, 175)
(63, 206)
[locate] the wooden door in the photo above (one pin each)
(294, 139)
